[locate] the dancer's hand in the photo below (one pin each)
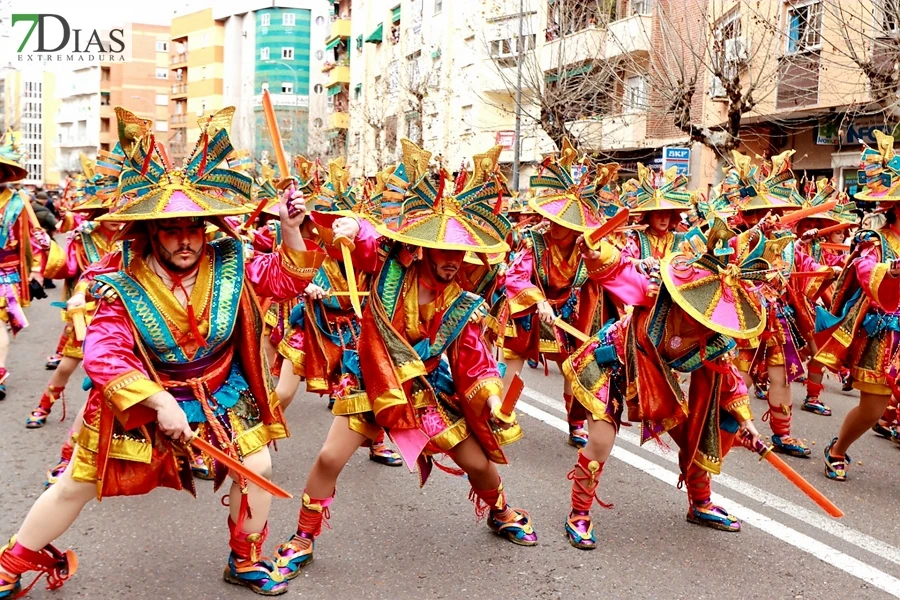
(171, 419)
(76, 301)
(346, 227)
(314, 292)
(586, 252)
(753, 438)
(545, 312)
(292, 209)
(810, 235)
(494, 404)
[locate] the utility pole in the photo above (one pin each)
(520, 46)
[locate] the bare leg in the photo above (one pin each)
(270, 349)
(260, 501)
(55, 511)
(4, 344)
(339, 446)
(859, 420)
(64, 371)
(470, 457)
(601, 441)
(513, 366)
(288, 383)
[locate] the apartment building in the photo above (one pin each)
(28, 105)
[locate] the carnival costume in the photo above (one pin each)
(647, 197)
(862, 332)
(749, 189)
(206, 354)
(708, 297)
(545, 271)
(23, 245)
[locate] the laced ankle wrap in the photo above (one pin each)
(486, 501)
(16, 559)
(585, 477)
(247, 545)
(780, 417)
(313, 513)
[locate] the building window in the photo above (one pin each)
(320, 20)
(161, 125)
(438, 6)
(104, 73)
(641, 7)
(264, 20)
(162, 100)
(104, 99)
(320, 55)
(264, 86)
(318, 88)
(162, 46)
(804, 27)
(357, 91)
(287, 88)
(263, 54)
(890, 17)
(287, 54)
(162, 73)
(288, 19)
(393, 81)
(635, 97)
(317, 123)
(467, 117)
(359, 43)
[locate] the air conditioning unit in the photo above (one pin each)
(717, 90)
(737, 50)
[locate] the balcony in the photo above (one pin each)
(339, 29)
(179, 90)
(798, 80)
(178, 59)
(178, 119)
(614, 132)
(574, 48)
(291, 100)
(339, 75)
(339, 120)
(631, 35)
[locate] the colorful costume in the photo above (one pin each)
(647, 197)
(142, 341)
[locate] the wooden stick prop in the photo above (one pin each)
(507, 412)
(794, 217)
(578, 335)
(765, 452)
(593, 238)
(834, 228)
(275, 135)
(836, 247)
(238, 467)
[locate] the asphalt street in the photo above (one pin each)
(392, 540)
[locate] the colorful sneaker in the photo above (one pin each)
(55, 473)
(293, 555)
(885, 432)
(10, 585)
(201, 470)
(330, 402)
(836, 468)
(785, 444)
(846, 382)
(53, 362)
(715, 517)
(580, 530)
(4, 375)
(259, 576)
(814, 405)
(518, 530)
(578, 436)
(384, 455)
(761, 391)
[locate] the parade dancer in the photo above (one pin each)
(805, 291)
(320, 344)
(23, 249)
(173, 347)
(635, 361)
(87, 245)
(548, 278)
(661, 207)
(864, 332)
(774, 357)
(429, 377)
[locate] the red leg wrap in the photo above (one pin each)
(813, 389)
(488, 501)
(780, 419)
(313, 513)
(698, 487)
(575, 411)
(16, 559)
(247, 545)
(585, 478)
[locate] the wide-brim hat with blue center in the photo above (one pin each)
(879, 171)
(747, 187)
(431, 217)
(150, 190)
(716, 283)
(646, 194)
(95, 187)
(843, 212)
(560, 199)
(11, 157)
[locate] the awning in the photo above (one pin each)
(331, 44)
(571, 73)
(377, 36)
(395, 14)
(334, 91)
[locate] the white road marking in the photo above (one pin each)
(832, 556)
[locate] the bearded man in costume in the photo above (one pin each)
(174, 347)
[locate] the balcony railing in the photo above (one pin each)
(179, 89)
(178, 119)
(798, 80)
(178, 59)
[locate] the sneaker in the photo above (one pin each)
(836, 468)
(55, 473)
(293, 555)
(259, 576)
(846, 382)
(785, 444)
(53, 362)
(578, 436)
(816, 406)
(714, 517)
(384, 455)
(518, 531)
(580, 531)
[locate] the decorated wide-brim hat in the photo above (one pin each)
(11, 157)
(879, 171)
(747, 187)
(431, 217)
(716, 287)
(150, 190)
(843, 212)
(479, 259)
(560, 198)
(646, 195)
